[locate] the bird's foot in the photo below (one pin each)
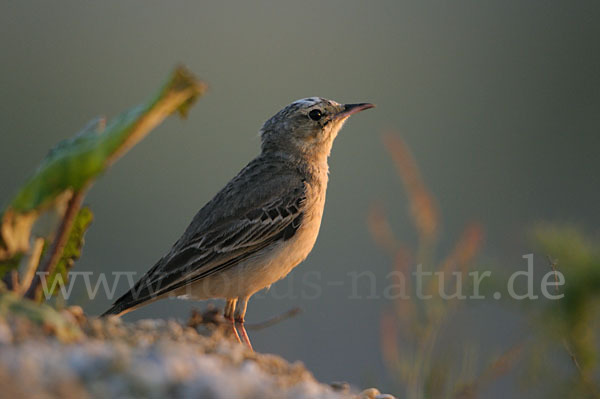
(235, 333)
(244, 334)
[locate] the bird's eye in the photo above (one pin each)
(315, 114)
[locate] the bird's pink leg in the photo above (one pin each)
(228, 314)
(244, 333)
(240, 314)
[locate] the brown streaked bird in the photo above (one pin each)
(261, 225)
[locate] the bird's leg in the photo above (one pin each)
(228, 314)
(240, 313)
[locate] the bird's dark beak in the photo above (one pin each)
(350, 109)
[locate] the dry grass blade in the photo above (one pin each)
(380, 229)
(389, 341)
(423, 209)
(554, 266)
(503, 364)
(465, 250)
(274, 320)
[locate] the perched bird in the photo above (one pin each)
(261, 225)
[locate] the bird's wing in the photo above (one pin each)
(260, 206)
(216, 250)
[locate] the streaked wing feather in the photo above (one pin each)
(225, 245)
(240, 241)
(264, 203)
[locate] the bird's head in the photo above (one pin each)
(307, 127)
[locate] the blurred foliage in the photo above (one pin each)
(72, 250)
(20, 312)
(570, 325)
(10, 264)
(48, 204)
(563, 333)
(411, 330)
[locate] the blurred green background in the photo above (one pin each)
(499, 102)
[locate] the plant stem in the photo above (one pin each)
(32, 264)
(62, 235)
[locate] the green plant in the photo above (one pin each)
(569, 327)
(42, 228)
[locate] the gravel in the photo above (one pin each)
(149, 359)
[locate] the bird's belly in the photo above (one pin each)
(260, 271)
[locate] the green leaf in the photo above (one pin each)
(10, 264)
(574, 316)
(72, 250)
(73, 164)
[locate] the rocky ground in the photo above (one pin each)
(107, 358)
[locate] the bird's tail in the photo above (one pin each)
(126, 303)
(142, 293)
(114, 310)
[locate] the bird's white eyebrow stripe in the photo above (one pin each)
(307, 101)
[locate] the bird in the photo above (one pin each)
(261, 225)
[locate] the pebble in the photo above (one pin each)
(341, 386)
(369, 393)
